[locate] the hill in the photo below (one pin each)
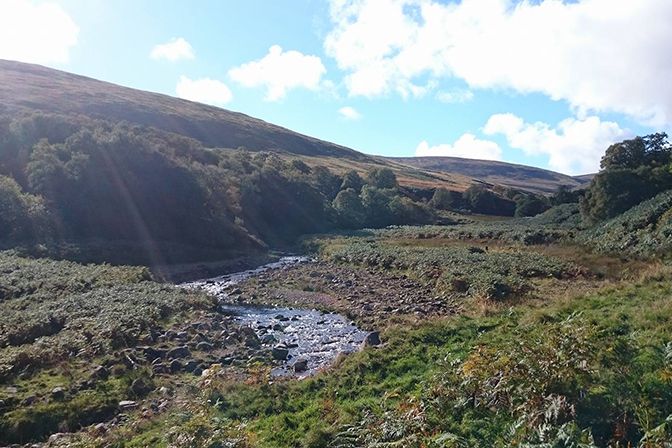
(498, 173)
(33, 87)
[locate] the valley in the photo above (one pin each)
(178, 275)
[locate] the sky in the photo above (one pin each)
(548, 83)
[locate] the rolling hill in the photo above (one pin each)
(29, 87)
(497, 173)
(33, 87)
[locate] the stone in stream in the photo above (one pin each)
(280, 352)
(300, 365)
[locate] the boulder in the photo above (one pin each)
(58, 393)
(204, 346)
(280, 352)
(300, 365)
(141, 387)
(179, 352)
(372, 339)
(126, 405)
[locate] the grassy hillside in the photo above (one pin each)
(33, 87)
(497, 173)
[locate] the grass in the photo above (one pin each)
(596, 370)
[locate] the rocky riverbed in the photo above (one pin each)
(302, 340)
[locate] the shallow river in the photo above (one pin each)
(311, 337)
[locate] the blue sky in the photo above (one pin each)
(545, 83)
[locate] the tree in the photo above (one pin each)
(353, 180)
(481, 200)
(615, 191)
(530, 205)
(446, 199)
(375, 202)
(326, 182)
(382, 178)
(349, 208)
(650, 150)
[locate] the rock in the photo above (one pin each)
(300, 365)
(179, 352)
(175, 366)
(372, 339)
(160, 368)
(268, 339)
(126, 405)
(141, 387)
(164, 391)
(278, 327)
(250, 338)
(191, 365)
(204, 346)
(100, 428)
(280, 352)
(58, 393)
(152, 353)
(29, 400)
(100, 373)
(54, 438)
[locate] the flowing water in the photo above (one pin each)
(310, 336)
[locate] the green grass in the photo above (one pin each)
(595, 370)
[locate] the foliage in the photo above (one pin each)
(632, 171)
(493, 275)
(591, 372)
(644, 231)
(481, 200)
(382, 178)
(447, 199)
(530, 205)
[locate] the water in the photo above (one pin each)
(309, 335)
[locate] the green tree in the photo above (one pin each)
(382, 178)
(530, 205)
(353, 180)
(481, 200)
(446, 199)
(349, 209)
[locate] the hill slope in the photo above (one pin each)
(497, 173)
(33, 87)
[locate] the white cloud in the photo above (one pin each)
(280, 71)
(174, 50)
(599, 55)
(349, 113)
(38, 32)
(575, 146)
(204, 90)
(467, 146)
(455, 96)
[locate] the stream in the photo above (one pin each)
(310, 339)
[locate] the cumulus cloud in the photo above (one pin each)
(37, 32)
(599, 55)
(280, 71)
(204, 90)
(349, 113)
(174, 50)
(574, 146)
(467, 146)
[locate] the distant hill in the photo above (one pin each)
(33, 87)
(497, 173)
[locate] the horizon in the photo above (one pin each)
(363, 67)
